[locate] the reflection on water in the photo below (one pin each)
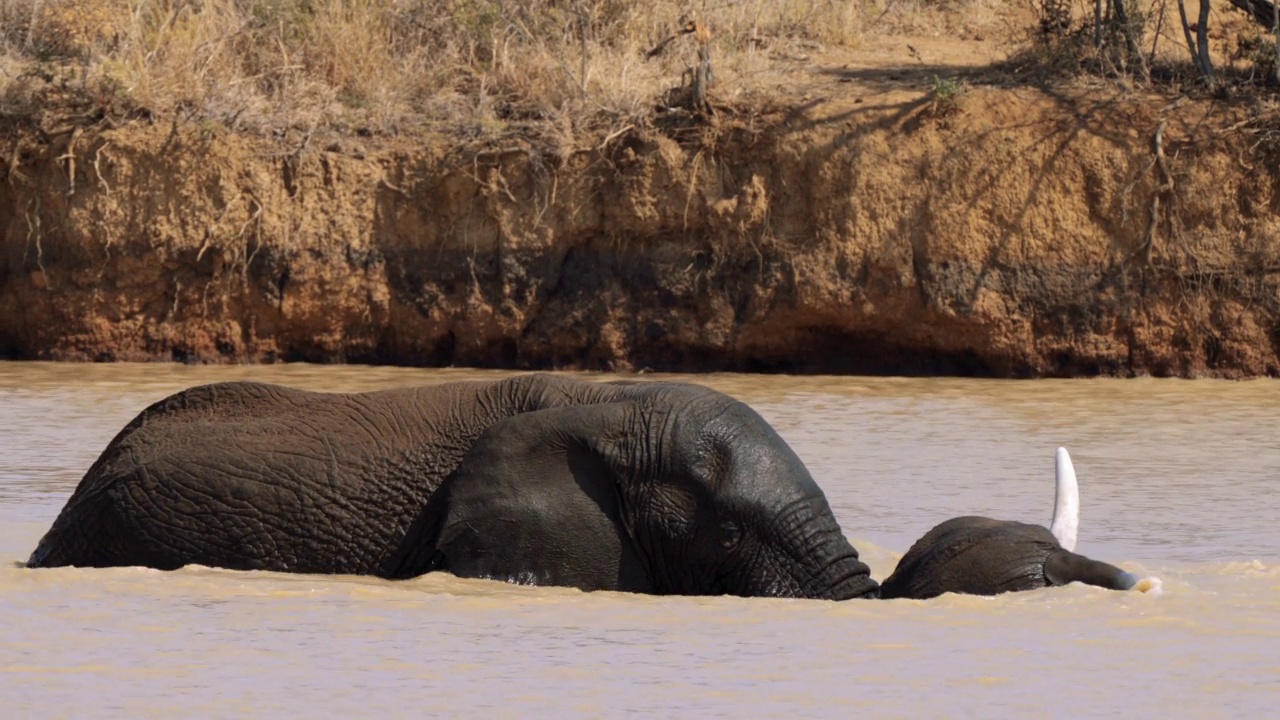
(1177, 479)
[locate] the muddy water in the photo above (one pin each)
(1178, 480)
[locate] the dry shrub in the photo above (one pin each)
(477, 66)
(955, 18)
(1066, 44)
(77, 28)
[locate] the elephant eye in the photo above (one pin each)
(729, 534)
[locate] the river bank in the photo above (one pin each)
(864, 218)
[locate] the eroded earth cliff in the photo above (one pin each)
(861, 223)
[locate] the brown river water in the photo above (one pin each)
(1177, 480)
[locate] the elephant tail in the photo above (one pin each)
(1065, 567)
(47, 554)
(74, 539)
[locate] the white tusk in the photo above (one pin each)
(1066, 504)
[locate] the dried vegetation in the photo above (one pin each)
(473, 67)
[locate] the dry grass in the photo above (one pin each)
(385, 66)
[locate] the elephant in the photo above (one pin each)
(981, 556)
(654, 487)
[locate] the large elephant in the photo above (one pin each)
(650, 487)
(981, 556)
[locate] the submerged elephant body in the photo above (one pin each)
(251, 476)
(981, 556)
(651, 487)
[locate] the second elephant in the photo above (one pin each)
(981, 556)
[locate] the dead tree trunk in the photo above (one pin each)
(702, 74)
(1202, 40)
(1193, 46)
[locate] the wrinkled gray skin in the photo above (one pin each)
(651, 487)
(981, 556)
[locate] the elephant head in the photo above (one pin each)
(982, 556)
(670, 489)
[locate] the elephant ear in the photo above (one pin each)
(537, 500)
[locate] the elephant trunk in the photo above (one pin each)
(1066, 567)
(844, 579)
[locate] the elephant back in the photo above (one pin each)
(248, 475)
